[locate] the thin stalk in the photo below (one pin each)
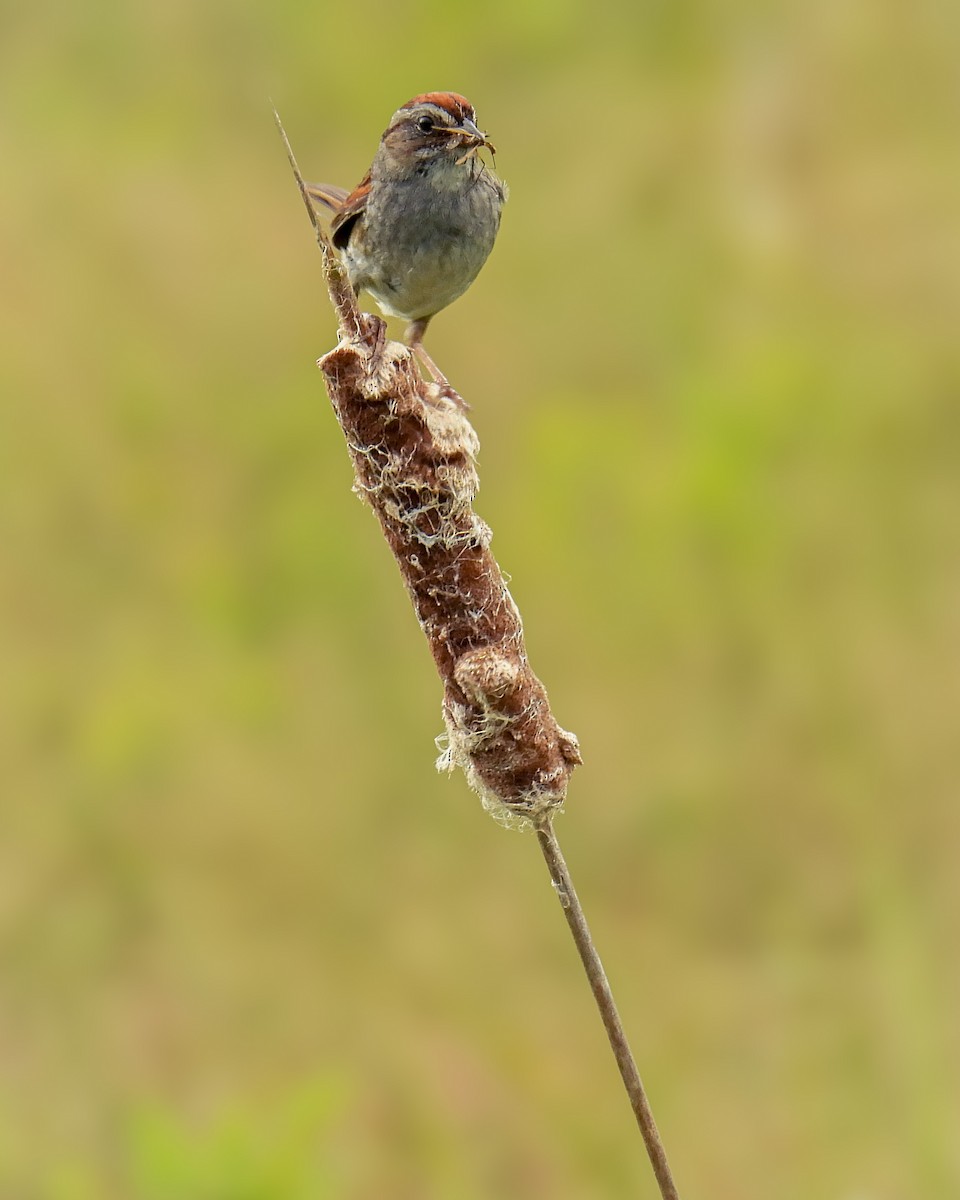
(603, 995)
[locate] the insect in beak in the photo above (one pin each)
(475, 138)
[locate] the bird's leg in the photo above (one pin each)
(415, 332)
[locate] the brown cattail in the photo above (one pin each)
(413, 453)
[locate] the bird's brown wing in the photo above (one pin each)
(346, 206)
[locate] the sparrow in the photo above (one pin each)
(416, 230)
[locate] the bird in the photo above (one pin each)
(419, 226)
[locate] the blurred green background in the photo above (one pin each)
(253, 947)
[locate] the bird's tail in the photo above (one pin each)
(327, 194)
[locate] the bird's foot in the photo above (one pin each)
(373, 334)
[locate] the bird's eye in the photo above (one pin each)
(425, 124)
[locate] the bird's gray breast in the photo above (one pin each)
(424, 239)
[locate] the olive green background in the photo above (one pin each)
(253, 946)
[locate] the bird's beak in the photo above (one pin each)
(475, 136)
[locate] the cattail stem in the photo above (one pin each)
(413, 452)
(606, 1005)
